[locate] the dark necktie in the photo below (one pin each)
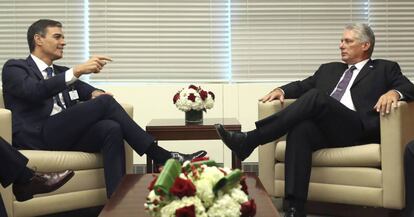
(343, 84)
(49, 71)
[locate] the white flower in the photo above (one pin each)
(225, 206)
(209, 102)
(238, 195)
(193, 98)
(153, 203)
(206, 203)
(169, 210)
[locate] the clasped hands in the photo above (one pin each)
(383, 106)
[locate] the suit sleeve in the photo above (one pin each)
(20, 82)
(84, 90)
(296, 89)
(400, 83)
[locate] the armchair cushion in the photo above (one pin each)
(368, 155)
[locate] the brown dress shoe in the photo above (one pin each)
(41, 183)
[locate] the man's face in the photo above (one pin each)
(51, 45)
(353, 50)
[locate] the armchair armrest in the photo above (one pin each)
(5, 126)
(267, 152)
(129, 157)
(6, 133)
(396, 131)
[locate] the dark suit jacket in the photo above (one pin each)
(376, 78)
(30, 97)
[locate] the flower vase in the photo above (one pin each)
(194, 117)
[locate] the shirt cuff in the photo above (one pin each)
(70, 77)
(401, 96)
(278, 88)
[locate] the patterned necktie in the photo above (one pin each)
(343, 84)
(49, 72)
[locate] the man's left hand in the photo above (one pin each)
(386, 101)
(97, 93)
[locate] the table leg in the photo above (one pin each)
(149, 165)
(235, 161)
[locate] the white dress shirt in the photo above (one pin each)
(346, 98)
(69, 79)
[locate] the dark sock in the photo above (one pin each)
(24, 176)
(252, 140)
(158, 154)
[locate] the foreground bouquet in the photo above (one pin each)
(199, 189)
(193, 98)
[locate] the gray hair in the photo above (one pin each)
(364, 34)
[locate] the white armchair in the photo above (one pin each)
(367, 175)
(85, 189)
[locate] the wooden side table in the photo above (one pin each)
(177, 129)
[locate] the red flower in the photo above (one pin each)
(187, 211)
(151, 185)
(182, 187)
(191, 97)
(203, 94)
(244, 185)
(176, 97)
(248, 209)
(212, 94)
(193, 87)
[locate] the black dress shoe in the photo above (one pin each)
(293, 212)
(41, 183)
(234, 140)
(185, 157)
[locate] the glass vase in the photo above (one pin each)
(194, 117)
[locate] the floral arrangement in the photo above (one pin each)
(194, 98)
(199, 189)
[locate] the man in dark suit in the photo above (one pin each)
(337, 106)
(26, 182)
(43, 98)
(409, 179)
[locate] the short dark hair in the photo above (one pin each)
(39, 27)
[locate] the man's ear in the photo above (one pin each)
(38, 39)
(366, 46)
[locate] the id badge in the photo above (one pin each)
(73, 94)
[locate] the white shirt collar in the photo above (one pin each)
(360, 65)
(39, 63)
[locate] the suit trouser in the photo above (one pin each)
(314, 121)
(100, 124)
(409, 179)
(12, 163)
(3, 212)
(11, 166)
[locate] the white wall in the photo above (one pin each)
(155, 101)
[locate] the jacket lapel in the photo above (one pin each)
(65, 92)
(337, 74)
(34, 68)
(368, 67)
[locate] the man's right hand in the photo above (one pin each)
(93, 65)
(274, 94)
